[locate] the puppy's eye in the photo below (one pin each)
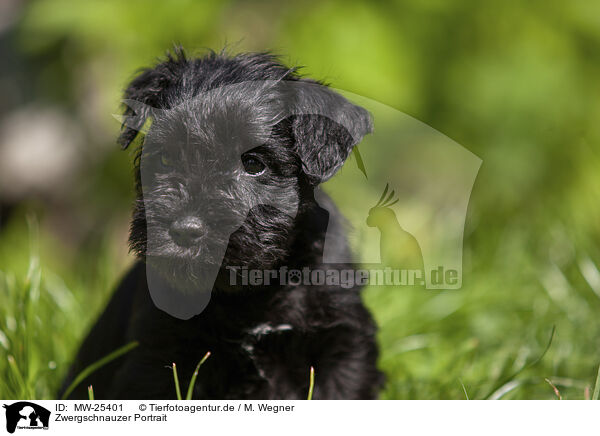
(166, 161)
(253, 165)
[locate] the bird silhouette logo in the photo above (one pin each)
(398, 248)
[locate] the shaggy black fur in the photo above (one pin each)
(262, 340)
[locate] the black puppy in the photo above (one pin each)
(226, 181)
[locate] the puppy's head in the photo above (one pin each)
(234, 144)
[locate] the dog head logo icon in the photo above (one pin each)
(26, 415)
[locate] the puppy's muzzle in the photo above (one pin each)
(187, 231)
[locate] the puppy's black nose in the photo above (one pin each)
(187, 231)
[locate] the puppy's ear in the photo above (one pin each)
(326, 127)
(147, 93)
(142, 94)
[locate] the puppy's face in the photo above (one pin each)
(219, 186)
(233, 147)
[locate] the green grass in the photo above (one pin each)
(190, 389)
(509, 337)
(311, 383)
(45, 310)
(97, 365)
(176, 380)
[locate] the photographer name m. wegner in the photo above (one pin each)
(344, 277)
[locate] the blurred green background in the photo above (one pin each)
(514, 82)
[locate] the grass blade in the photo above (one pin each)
(12, 363)
(359, 161)
(596, 393)
(510, 378)
(91, 392)
(190, 390)
(176, 379)
(464, 389)
(504, 389)
(311, 383)
(97, 365)
(554, 388)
